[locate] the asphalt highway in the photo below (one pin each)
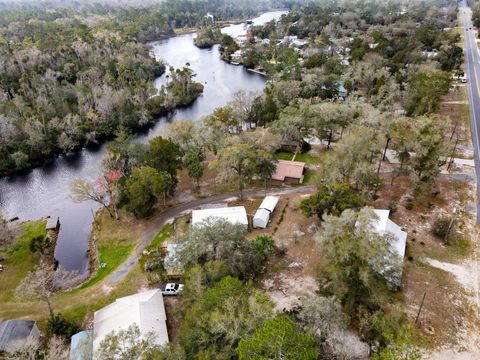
(472, 65)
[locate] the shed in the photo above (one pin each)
(145, 310)
(53, 223)
(81, 346)
(262, 215)
(269, 203)
(289, 172)
(14, 333)
(261, 218)
(234, 215)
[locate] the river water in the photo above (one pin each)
(45, 191)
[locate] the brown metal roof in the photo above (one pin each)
(290, 169)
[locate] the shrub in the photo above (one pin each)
(441, 226)
(392, 206)
(264, 244)
(409, 205)
(60, 326)
(331, 200)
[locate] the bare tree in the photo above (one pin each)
(23, 350)
(83, 190)
(40, 284)
(7, 232)
(57, 349)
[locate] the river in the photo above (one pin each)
(45, 191)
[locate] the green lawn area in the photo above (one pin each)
(307, 158)
(111, 256)
(115, 241)
(19, 259)
(162, 235)
(309, 177)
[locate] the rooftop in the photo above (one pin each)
(145, 309)
(234, 215)
(14, 332)
(290, 169)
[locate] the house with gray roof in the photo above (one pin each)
(14, 333)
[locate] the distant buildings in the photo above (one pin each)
(15, 333)
(209, 19)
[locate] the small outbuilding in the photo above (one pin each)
(81, 346)
(263, 214)
(53, 223)
(14, 334)
(290, 172)
(234, 215)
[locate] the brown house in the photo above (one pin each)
(289, 172)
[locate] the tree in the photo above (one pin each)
(39, 284)
(240, 163)
(331, 199)
(7, 232)
(392, 334)
(60, 326)
(193, 160)
(278, 339)
(361, 265)
(164, 156)
(322, 317)
(97, 191)
(145, 187)
(126, 344)
(429, 147)
(184, 133)
(39, 243)
(220, 317)
(219, 240)
(425, 89)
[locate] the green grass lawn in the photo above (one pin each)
(162, 235)
(111, 256)
(307, 158)
(309, 177)
(19, 259)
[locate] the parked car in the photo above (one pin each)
(171, 289)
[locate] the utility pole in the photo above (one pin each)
(421, 306)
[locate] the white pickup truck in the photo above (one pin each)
(171, 289)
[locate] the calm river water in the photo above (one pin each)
(46, 191)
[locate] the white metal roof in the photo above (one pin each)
(234, 215)
(384, 224)
(269, 203)
(145, 309)
(261, 218)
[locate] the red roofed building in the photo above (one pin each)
(289, 172)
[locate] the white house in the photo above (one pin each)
(384, 225)
(262, 215)
(14, 334)
(234, 215)
(145, 309)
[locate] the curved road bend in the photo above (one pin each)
(472, 64)
(163, 218)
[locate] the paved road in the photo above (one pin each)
(472, 63)
(162, 219)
